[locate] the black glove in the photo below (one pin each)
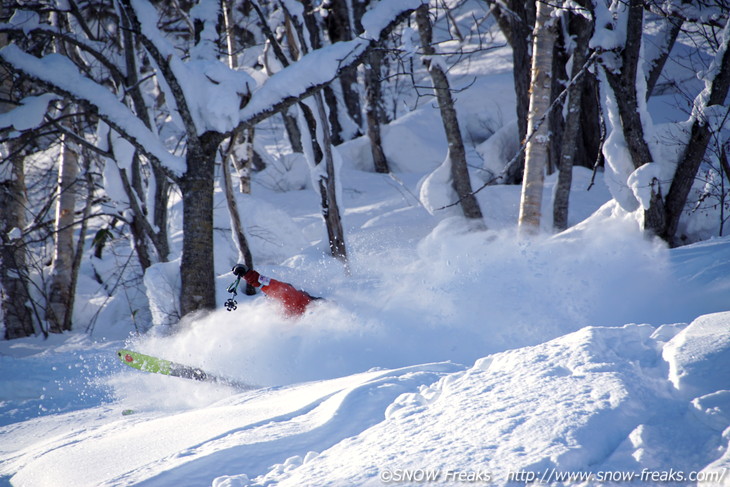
(239, 270)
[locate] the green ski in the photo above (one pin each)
(156, 365)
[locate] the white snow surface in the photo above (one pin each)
(597, 356)
(476, 358)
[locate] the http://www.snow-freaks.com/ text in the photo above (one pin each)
(547, 476)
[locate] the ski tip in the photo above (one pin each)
(126, 356)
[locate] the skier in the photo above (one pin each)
(294, 301)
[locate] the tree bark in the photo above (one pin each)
(198, 282)
(516, 22)
(141, 229)
(671, 28)
(292, 131)
(694, 152)
(457, 154)
(137, 226)
(327, 94)
(374, 110)
(537, 149)
(14, 295)
(16, 312)
(79, 249)
(239, 237)
(328, 192)
(322, 153)
(339, 28)
(568, 148)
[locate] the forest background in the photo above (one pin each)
(122, 120)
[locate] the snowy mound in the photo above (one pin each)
(595, 406)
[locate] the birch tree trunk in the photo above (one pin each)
(60, 290)
(538, 130)
(245, 137)
(78, 251)
(459, 171)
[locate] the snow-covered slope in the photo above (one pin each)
(553, 381)
(599, 400)
(603, 403)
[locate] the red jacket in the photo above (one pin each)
(294, 301)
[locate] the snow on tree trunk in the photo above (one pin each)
(78, 250)
(242, 138)
(58, 312)
(328, 192)
(623, 77)
(459, 171)
(314, 28)
(141, 228)
(538, 130)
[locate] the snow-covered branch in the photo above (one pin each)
(319, 68)
(59, 75)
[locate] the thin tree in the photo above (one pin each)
(537, 149)
(374, 113)
(341, 16)
(60, 293)
(583, 29)
(320, 153)
(456, 153)
(243, 167)
(516, 20)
